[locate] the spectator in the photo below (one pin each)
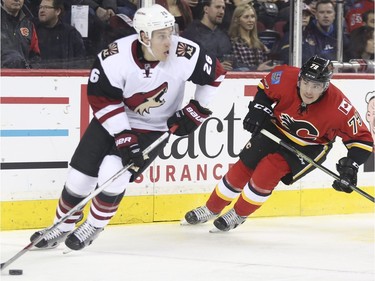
(102, 9)
(354, 16)
(361, 44)
(230, 5)
(60, 43)
(284, 10)
(127, 7)
(321, 33)
(312, 6)
(30, 8)
(180, 10)
(195, 7)
(267, 12)
(249, 51)
(206, 33)
(283, 50)
(19, 41)
(98, 23)
(368, 18)
(120, 26)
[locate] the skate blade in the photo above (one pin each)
(41, 249)
(184, 222)
(35, 248)
(216, 230)
(67, 251)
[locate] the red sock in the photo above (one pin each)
(229, 187)
(249, 201)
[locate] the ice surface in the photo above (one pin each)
(321, 248)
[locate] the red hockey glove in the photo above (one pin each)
(257, 115)
(348, 170)
(189, 118)
(130, 151)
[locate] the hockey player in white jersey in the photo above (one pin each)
(136, 88)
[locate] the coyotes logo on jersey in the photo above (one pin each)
(142, 102)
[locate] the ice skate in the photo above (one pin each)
(228, 221)
(198, 215)
(51, 240)
(83, 236)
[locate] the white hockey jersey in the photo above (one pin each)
(127, 92)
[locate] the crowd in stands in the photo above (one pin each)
(246, 35)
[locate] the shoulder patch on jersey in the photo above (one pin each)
(276, 77)
(111, 50)
(345, 107)
(185, 50)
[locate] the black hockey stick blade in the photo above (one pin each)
(81, 204)
(315, 164)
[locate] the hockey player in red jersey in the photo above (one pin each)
(136, 89)
(301, 107)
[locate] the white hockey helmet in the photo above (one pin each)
(152, 18)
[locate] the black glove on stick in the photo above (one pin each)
(189, 118)
(348, 170)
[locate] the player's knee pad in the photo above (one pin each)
(79, 184)
(112, 164)
(269, 171)
(238, 175)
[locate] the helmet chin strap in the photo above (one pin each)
(148, 46)
(151, 52)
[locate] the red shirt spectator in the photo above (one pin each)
(354, 15)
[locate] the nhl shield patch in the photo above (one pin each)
(185, 50)
(275, 78)
(111, 50)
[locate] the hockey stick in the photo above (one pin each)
(314, 163)
(81, 204)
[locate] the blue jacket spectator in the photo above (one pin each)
(321, 33)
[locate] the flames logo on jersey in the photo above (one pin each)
(142, 102)
(111, 50)
(300, 128)
(25, 31)
(185, 50)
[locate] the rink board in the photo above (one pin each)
(144, 209)
(43, 115)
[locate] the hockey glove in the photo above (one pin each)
(348, 170)
(189, 118)
(255, 118)
(130, 151)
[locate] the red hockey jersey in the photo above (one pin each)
(320, 122)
